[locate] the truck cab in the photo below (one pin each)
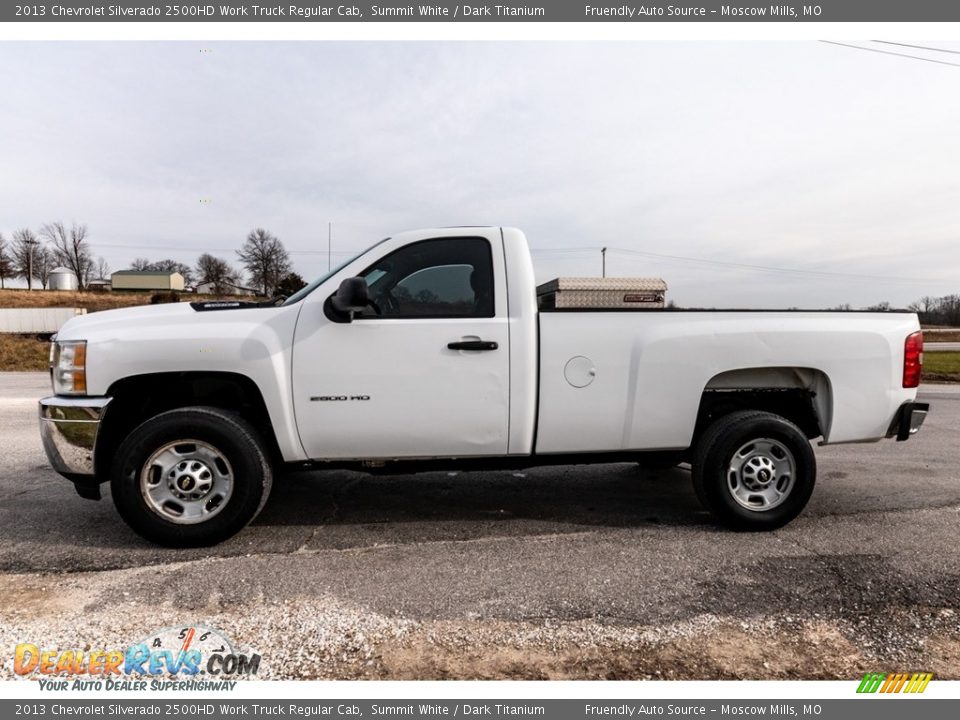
(439, 362)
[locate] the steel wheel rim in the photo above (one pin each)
(187, 481)
(761, 474)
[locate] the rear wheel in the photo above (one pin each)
(754, 470)
(190, 477)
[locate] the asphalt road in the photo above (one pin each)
(578, 571)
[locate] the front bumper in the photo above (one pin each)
(68, 428)
(908, 420)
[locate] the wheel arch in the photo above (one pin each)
(802, 395)
(137, 398)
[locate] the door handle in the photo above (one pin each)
(473, 345)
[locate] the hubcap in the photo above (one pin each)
(761, 474)
(186, 481)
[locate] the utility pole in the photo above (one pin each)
(603, 254)
(329, 243)
(31, 244)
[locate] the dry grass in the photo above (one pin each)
(92, 301)
(937, 335)
(18, 352)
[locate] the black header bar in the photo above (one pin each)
(446, 11)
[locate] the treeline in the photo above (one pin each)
(931, 310)
(938, 310)
(34, 256)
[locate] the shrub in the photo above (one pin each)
(164, 297)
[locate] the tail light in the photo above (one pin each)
(913, 360)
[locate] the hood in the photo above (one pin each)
(105, 321)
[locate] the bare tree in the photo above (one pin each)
(172, 266)
(70, 248)
(924, 305)
(938, 310)
(102, 270)
(6, 263)
(24, 251)
(290, 283)
(265, 259)
(142, 264)
(214, 270)
(44, 263)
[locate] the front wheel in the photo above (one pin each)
(190, 477)
(754, 470)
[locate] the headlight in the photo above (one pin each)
(68, 367)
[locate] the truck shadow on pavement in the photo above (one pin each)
(566, 498)
(45, 527)
(60, 532)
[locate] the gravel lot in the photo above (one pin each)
(570, 572)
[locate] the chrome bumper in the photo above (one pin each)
(68, 428)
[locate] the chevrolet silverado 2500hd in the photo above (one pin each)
(429, 351)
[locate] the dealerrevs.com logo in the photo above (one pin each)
(177, 658)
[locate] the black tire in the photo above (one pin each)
(778, 442)
(235, 443)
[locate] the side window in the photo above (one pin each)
(452, 277)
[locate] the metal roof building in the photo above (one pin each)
(146, 280)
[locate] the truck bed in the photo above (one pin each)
(651, 368)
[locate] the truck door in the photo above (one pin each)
(424, 371)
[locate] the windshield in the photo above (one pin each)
(307, 289)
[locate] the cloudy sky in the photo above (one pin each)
(839, 165)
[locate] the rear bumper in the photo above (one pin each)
(908, 420)
(68, 428)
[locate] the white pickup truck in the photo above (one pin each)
(429, 351)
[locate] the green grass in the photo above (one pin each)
(941, 366)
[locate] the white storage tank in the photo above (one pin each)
(63, 279)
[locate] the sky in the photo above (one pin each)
(746, 174)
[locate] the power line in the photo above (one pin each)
(744, 266)
(212, 250)
(772, 268)
(590, 251)
(917, 47)
(561, 251)
(887, 52)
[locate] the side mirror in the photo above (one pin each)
(352, 296)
